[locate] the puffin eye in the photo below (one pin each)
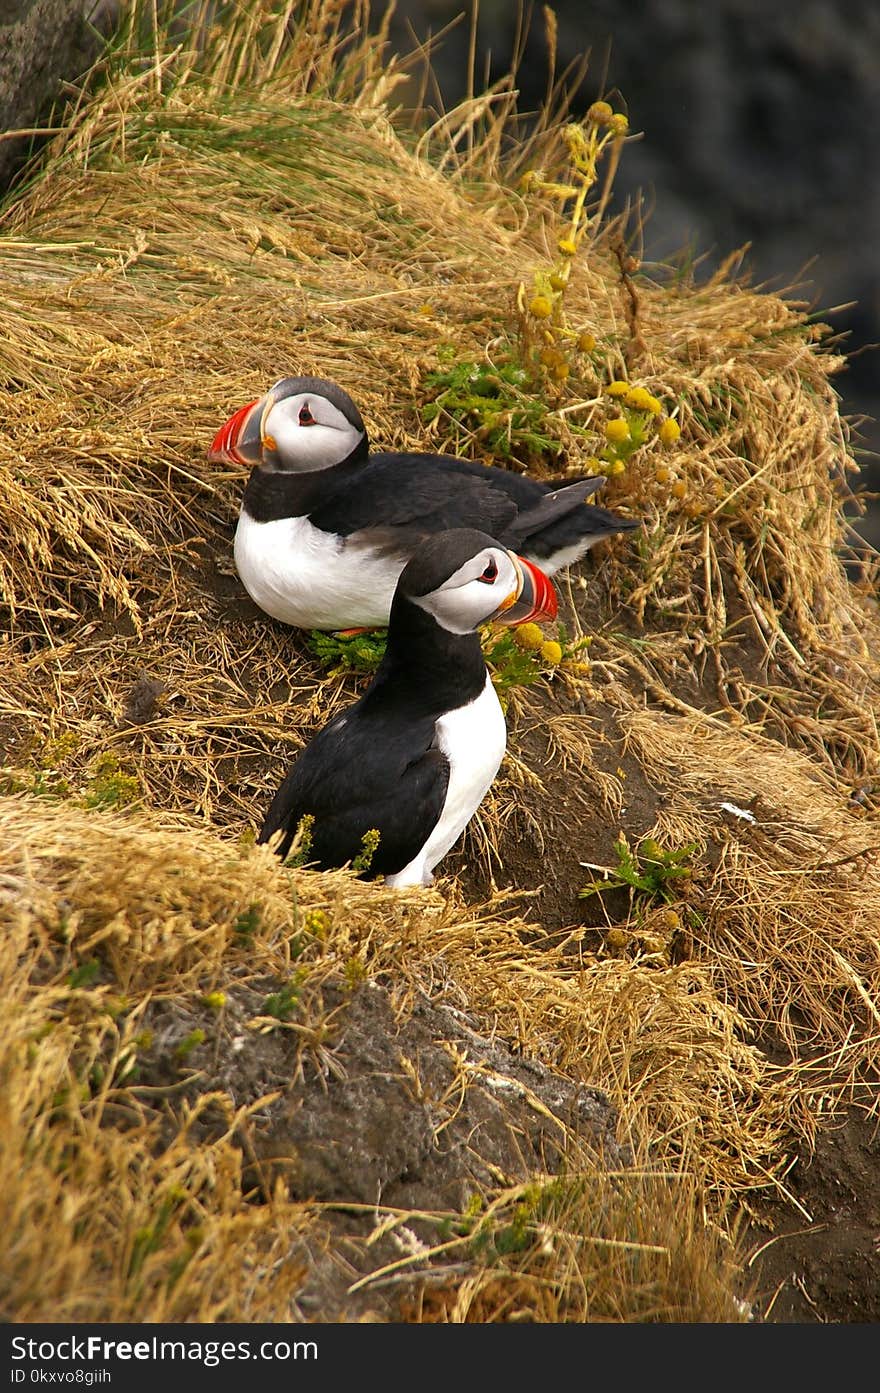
(490, 572)
(305, 416)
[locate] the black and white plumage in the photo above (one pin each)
(415, 756)
(326, 526)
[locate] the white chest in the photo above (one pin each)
(473, 738)
(311, 579)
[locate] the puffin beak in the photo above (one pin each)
(239, 441)
(534, 599)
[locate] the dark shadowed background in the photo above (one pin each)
(759, 126)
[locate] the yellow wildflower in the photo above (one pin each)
(679, 489)
(316, 922)
(618, 123)
(616, 467)
(669, 431)
(215, 1000)
(551, 652)
(663, 475)
(541, 307)
(528, 636)
(653, 943)
(586, 342)
(566, 246)
(559, 280)
(560, 371)
(617, 939)
(616, 431)
(618, 388)
(600, 113)
(641, 400)
(576, 141)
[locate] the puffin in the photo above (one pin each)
(414, 757)
(326, 526)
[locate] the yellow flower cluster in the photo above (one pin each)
(544, 331)
(316, 922)
(550, 651)
(528, 637)
(624, 434)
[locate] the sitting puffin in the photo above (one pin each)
(414, 757)
(326, 527)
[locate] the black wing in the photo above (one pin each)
(353, 778)
(413, 496)
(556, 504)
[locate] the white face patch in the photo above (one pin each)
(310, 432)
(475, 592)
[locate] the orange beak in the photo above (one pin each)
(238, 441)
(533, 602)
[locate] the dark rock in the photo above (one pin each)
(418, 1114)
(43, 43)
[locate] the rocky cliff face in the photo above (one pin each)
(42, 44)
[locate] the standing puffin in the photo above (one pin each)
(414, 757)
(326, 527)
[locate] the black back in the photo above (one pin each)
(400, 499)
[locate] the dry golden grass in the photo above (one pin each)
(147, 1221)
(206, 222)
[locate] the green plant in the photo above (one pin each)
(652, 873)
(247, 923)
(546, 339)
(85, 974)
(369, 846)
(520, 656)
(499, 404)
(189, 1043)
(285, 1002)
(109, 786)
(359, 651)
(301, 846)
(148, 1239)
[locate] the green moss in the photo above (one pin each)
(109, 786)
